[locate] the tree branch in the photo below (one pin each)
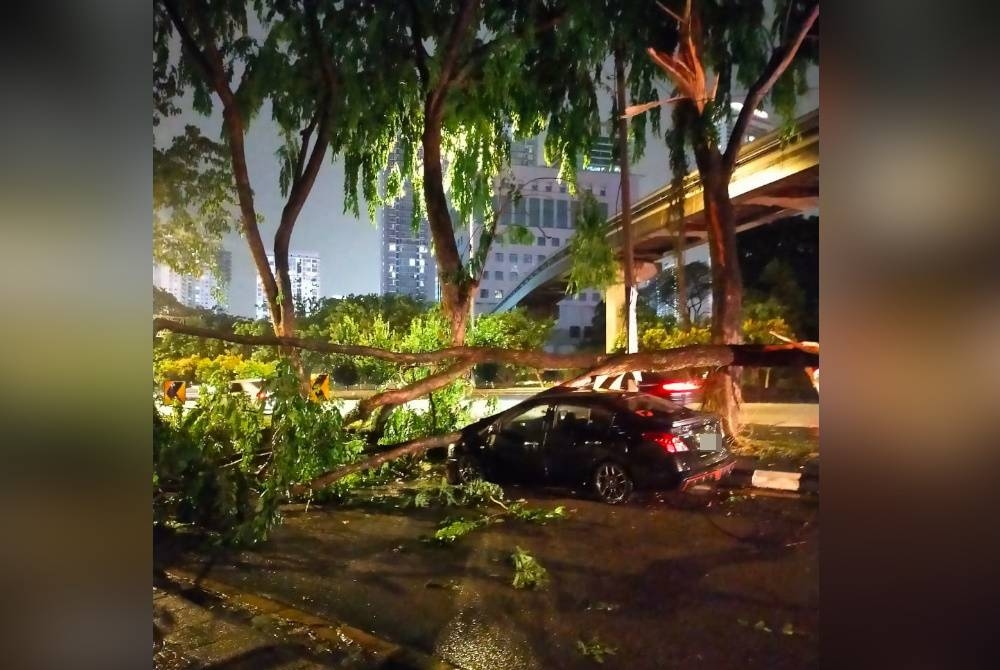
(211, 63)
(411, 448)
(188, 41)
(746, 355)
(478, 55)
(410, 392)
(459, 31)
(420, 53)
(775, 67)
(306, 135)
(699, 355)
(315, 33)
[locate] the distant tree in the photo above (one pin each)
(396, 310)
(663, 289)
(516, 329)
(346, 374)
(598, 324)
(780, 261)
(194, 202)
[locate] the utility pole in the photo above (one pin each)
(631, 334)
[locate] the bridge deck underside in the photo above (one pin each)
(789, 196)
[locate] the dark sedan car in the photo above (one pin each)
(611, 441)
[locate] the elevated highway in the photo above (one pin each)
(772, 180)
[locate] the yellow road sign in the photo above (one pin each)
(174, 390)
(320, 387)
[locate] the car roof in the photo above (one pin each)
(583, 394)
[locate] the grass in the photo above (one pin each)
(771, 443)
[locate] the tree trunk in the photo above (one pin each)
(456, 301)
(680, 277)
(631, 334)
(722, 393)
(456, 287)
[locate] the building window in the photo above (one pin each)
(534, 212)
(548, 188)
(604, 191)
(541, 241)
(526, 259)
(548, 214)
(555, 241)
(597, 297)
(498, 274)
(534, 187)
(540, 258)
(574, 332)
(514, 276)
(562, 214)
(499, 256)
(498, 295)
(588, 332)
(483, 293)
(512, 258)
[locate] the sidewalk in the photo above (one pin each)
(214, 625)
(190, 636)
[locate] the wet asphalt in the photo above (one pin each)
(713, 580)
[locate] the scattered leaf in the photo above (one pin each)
(595, 649)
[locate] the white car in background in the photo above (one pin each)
(256, 389)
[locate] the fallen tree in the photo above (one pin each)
(457, 361)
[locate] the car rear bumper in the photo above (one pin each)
(711, 474)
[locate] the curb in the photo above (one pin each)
(746, 473)
(334, 632)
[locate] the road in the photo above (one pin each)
(678, 581)
(799, 415)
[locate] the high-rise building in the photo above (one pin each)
(524, 152)
(303, 270)
(548, 210)
(601, 156)
(408, 267)
(209, 291)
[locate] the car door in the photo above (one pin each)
(577, 439)
(516, 444)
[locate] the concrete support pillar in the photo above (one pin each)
(614, 313)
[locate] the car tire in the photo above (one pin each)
(612, 483)
(465, 469)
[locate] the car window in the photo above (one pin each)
(588, 418)
(572, 416)
(531, 422)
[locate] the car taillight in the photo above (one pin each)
(675, 387)
(670, 442)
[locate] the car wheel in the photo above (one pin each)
(612, 483)
(467, 469)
